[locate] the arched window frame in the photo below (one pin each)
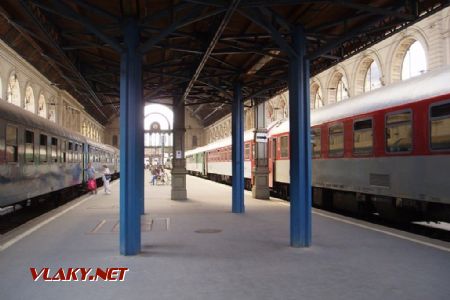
(408, 60)
(399, 52)
(371, 83)
(42, 106)
(337, 85)
(29, 100)
(13, 90)
(316, 96)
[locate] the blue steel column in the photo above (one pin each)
(237, 133)
(300, 143)
(131, 162)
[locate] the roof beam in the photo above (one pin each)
(65, 11)
(195, 15)
(93, 97)
(258, 19)
(362, 29)
(97, 10)
(211, 46)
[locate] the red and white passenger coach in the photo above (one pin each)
(385, 151)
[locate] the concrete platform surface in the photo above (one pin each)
(199, 250)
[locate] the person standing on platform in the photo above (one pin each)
(106, 179)
(92, 185)
(154, 175)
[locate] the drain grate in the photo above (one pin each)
(208, 230)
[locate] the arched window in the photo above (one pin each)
(338, 88)
(114, 140)
(414, 62)
(341, 91)
(194, 141)
(42, 106)
(29, 99)
(373, 78)
(316, 96)
(13, 90)
(51, 112)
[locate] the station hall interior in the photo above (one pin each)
(210, 112)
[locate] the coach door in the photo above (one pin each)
(272, 160)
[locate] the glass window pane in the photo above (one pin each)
(440, 127)
(54, 149)
(284, 145)
(336, 140)
(399, 132)
(362, 137)
(43, 148)
(11, 135)
(373, 78)
(316, 142)
(247, 151)
(414, 62)
(29, 146)
(341, 91)
(11, 144)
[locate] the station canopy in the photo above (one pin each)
(195, 50)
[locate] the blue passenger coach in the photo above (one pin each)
(39, 159)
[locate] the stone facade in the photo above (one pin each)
(195, 133)
(222, 128)
(24, 86)
(433, 33)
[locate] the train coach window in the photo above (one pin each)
(398, 132)
(11, 144)
(29, 146)
(440, 126)
(247, 152)
(316, 142)
(80, 148)
(362, 137)
(63, 151)
(336, 140)
(43, 148)
(70, 154)
(284, 147)
(76, 154)
(91, 155)
(54, 152)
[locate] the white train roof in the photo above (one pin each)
(431, 84)
(248, 136)
(19, 116)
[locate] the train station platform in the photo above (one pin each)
(197, 249)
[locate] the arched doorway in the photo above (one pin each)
(158, 138)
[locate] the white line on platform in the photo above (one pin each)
(443, 248)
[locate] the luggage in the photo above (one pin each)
(92, 184)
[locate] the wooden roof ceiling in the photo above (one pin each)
(195, 49)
